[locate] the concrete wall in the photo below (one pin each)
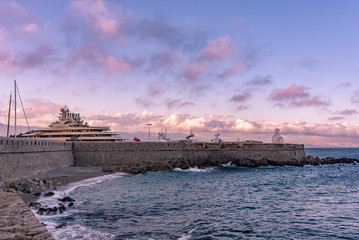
(200, 154)
(21, 158)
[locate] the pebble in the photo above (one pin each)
(17, 221)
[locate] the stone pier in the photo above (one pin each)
(17, 221)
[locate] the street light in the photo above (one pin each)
(149, 131)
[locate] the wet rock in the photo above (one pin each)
(62, 208)
(11, 185)
(49, 194)
(182, 163)
(35, 205)
(48, 211)
(348, 160)
(66, 199)
(61, 225)
(70, 204)
(108, 169)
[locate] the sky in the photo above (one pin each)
(234, 67)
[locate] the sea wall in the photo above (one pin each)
(21, 158)
(156, 156)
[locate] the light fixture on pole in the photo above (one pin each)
(149, 131)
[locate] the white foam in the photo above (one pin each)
(229, 164)
(75, 231)
(194, 169)
(65, 191)
(186, 236)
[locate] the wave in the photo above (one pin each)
(194, 169)
(186, 236)
(66, 190)
(229, 164)
(75, 230)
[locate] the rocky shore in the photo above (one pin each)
(17, 221)
(183, 163)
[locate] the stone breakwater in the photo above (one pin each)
(17, 221)
(156, 156)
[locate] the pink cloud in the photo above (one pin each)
(355, 97)
(231, 71)
(26, 60)
(240, 97)
(39, 112)
(31, 28)
(98, 58)
(145, 102)
(219, 49)
(335, 118)
(5, 60)
(315, 101)
(155, 89)
(177, 103)
(344, 85)
(261, 80)
(233, 127)
(347, 112)
(39, 57)
(163, 61)
(98, 18)
(293, 92)
(204, 127)
(296, 96)
(194, 71)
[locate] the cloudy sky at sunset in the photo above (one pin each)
(240, 68)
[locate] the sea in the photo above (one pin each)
(228, 202)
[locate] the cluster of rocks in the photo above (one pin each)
(310, 160)
(31, 186)
(183, 163)
(25, 188)
(165, 165)
(45, 210)
(17, 221)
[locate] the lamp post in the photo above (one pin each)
(149, 131)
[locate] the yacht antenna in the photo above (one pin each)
(23, 109)
(15, 105)
(8, 118)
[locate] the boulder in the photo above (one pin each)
(66, 199)
(61, 225)
(49, 194)
(35, 205)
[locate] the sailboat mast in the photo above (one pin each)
(8, 118)
(15, 104)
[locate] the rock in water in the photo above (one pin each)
(66, 199)
(49, 194)
(61, 225)
(35, 205)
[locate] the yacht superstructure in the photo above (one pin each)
(70, 127)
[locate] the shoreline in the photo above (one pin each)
(32, 188)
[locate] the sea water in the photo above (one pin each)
(311, 202)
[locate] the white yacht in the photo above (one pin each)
(70, 127)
